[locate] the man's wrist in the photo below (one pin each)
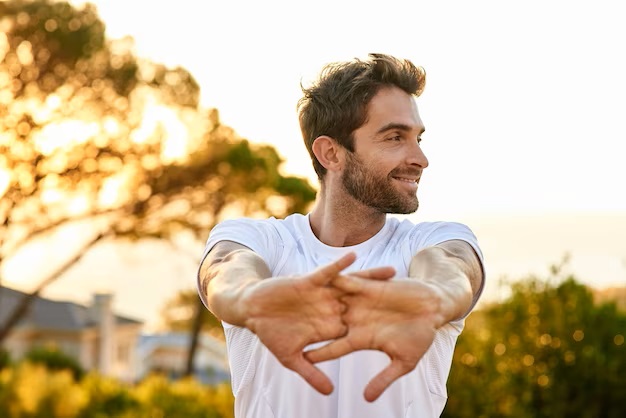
(246, 307)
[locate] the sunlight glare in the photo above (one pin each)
(175, 142)
(4, 45)
(5, 181)
(119, 188)
(57, 135)
(53, 101)
(111, 126)
(78, 205)
(175, 133)
(109, 194)
(25, 53)
(51, 196)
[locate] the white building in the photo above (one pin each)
(94, 335)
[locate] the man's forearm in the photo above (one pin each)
(225, 275)
(453, 272)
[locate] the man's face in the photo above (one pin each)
(385, 168)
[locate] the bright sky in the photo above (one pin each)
(524, 104)
(524, 108)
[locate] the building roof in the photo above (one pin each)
(51, 314)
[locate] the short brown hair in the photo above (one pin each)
(336, 104)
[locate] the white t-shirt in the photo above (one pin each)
(263, 388)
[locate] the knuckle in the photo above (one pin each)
(406, 365)
(288, 362)
(338, 308)
(337, 330)
(349, 316)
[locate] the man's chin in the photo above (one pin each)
(404, 210)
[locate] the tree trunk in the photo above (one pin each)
(195, 336)
(196, 325)
(22, 308)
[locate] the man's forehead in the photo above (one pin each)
(394, 114)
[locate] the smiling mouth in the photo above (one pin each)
(406, 180)
(408, 184)
(409, 177)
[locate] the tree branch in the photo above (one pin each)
(52, 225)
(22, 308)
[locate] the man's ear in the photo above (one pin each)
(328, 152)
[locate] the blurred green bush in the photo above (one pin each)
(31, 390)
(551, 349)
(5, 358)
(54, 359)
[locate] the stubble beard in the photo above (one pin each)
(378, 193)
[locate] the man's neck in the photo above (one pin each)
(342, 221)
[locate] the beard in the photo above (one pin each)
(377, 192)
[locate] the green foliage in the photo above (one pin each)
(183, 398)
(32, 391)
(106, 398)
(70, 35)
(54, 359)
(546, 351)
(5, 358)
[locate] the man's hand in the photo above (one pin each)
(289, 313)
(397, 317)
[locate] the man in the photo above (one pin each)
(346, 312)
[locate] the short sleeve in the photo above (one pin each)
(258, 235)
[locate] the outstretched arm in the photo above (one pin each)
(401, 317)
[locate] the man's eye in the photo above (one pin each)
(395, 138)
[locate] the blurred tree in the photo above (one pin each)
(179, 312)
(546, 351)
(90, 132)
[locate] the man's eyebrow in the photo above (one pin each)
(397, 126)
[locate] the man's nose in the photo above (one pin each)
(416, 156)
